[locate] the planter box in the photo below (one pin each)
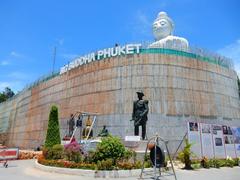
(90, 173)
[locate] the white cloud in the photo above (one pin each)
(16, 54)
(232, 51)
(4, 63)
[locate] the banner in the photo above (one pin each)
(207, 140)
(229, 141)
(194, 138)
(236, 134)
(8, 153)
(218, 144)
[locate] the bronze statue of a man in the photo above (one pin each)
(139, 115)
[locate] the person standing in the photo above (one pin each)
(71, 124)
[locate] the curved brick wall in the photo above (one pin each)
(179, 89)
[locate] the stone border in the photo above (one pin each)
(90, 173)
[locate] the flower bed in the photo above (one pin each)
(26, 154)
(109, 155)
(92, 166)
(90, 173)
(215, 163)
(66, 164)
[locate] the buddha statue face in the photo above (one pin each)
(162, 26)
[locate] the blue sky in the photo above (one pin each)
(30, 29)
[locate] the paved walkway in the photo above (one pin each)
(24, 170)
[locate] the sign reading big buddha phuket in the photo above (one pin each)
(102, 54)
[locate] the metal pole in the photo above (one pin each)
(166, 142)
(80, 134)
(54, 58)
(144, 157)
(73, 133)
(179, 145)
(94, 119)
(155, 158)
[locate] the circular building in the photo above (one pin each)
(181, 84)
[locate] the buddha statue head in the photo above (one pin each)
(162, 26)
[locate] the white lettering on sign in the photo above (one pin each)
(102, 54)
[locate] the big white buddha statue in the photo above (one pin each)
(162, 30)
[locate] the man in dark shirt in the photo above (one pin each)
(71, 124)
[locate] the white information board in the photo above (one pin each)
(236, 134)
(214, 141)
(194, 138)
(218, 144)
(229, 141)
(207, 140)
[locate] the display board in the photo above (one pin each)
(214, 141)
(207, 140)
(194, 138)
(229, 141)
(236, 136)
(218, 144)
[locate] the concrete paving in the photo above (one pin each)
(25, 170)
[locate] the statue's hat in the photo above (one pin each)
(140, 92)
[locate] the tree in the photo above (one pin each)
(53, 132)
(8, 92)
(185, 155)
(2, 97)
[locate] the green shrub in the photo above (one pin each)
(229, 162)
(222, 162)
(185, 155)
(196, 165)
(105, 164)
(215, 163)
(236, 160)
(110, 147)
(138, 164)
(128, 154)
(147, 161)
(57, 151)
(147, 164)
(53, 133)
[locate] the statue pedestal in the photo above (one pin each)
(138, 146)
